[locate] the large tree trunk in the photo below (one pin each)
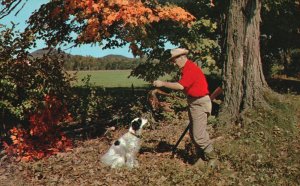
(244, 82)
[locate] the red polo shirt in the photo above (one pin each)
(193, 80)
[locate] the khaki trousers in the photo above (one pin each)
(199, 110)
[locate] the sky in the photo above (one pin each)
(85, 50)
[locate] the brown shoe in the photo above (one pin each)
(201, 164)
(199, 159)
(212, 159)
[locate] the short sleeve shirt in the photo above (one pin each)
(193, 80)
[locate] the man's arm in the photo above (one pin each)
(170, 85)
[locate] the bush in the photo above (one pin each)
(23, 85)
(43, 137)
(33, 92)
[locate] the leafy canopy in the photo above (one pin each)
(92, 21)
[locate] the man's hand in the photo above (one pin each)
(171, 85)
(158, 83)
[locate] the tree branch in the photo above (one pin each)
(10, 7)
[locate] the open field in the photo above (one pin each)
(109, 78)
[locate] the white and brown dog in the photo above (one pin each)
(124, 150)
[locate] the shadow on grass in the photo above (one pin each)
(165, 147)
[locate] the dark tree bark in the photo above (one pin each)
(244, 82)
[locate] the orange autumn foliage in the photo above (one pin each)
(99, 16)
(43, 138)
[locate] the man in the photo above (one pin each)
(194, 84)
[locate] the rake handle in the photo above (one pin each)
(179, 140)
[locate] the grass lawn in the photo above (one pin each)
(113, 78)
(109, 78)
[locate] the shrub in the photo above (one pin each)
(24, 81)
(43, 137)
(26, 109)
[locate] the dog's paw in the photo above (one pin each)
(133, 164)
(136, 165)
(118, 163)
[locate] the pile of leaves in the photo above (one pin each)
(43, 138)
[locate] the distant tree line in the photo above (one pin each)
(110, 62)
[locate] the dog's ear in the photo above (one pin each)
(136, 124)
